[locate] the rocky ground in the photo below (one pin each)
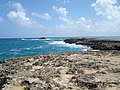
(96, 44)
(70, 71)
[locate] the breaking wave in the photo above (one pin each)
(67, 45)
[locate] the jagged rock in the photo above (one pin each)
(95, 44)
(84, 71)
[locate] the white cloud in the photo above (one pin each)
(45, 16)
(108, 24)
(1, 19)
(76, 26)
(16, 5)
(107, 9)
(110, 13)
(19, 16)
(72, 26)
(62, 11)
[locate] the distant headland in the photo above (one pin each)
(96, 44)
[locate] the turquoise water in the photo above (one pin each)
(14, 48)
(20, 47)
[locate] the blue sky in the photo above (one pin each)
(25, 18)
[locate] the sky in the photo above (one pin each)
(59, 18)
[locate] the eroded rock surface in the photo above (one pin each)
(96, 44)
(69, 71)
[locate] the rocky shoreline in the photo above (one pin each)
(96, 44)
(69, 71)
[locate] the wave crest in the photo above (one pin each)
(67, 44)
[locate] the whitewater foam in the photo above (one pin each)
(27, 48)
(57, 42)
(15, 50)
(23, 39)
(37, 47)
(67, 45)
(29, 39)
(85, 49)
(31, 48)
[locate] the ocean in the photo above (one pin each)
(21, 47)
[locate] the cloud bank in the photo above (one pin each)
(108, 23)
(19, 16)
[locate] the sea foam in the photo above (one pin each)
(67, 45)
(28, 39)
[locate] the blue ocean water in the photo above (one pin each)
(21, 47)
(14, 48)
